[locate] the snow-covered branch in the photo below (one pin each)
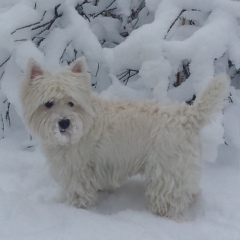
(137, 49)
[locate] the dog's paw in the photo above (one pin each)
(79, 201)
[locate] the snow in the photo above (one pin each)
(119, 91)
(30, 207)
(10, 84)
(84, 39)
(46, 5)
(25, 51)
(134, 58)
(106, 27)
(124, 7)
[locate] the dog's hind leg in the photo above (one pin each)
(170, 189)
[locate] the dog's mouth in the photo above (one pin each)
(69, 134)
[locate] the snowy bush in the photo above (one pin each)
(167, 49)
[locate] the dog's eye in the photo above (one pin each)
(71, 104)
(48, 104)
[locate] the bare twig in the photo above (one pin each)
(5, 61)
(191, 101)
(39, 42)
(49, 23)
(178, 80)
(3, 126)
(230, 98)
(7, 116)
(94, 84)
(97, 70)
(75, 53)
(106, 9)
(179, 15)
(177, 18)
(125, 76)
(20, 40)
(65, 50)
(30, 25)
(40, 26)
(2, 74)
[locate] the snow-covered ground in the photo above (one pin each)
(146, 46)
(30, 206)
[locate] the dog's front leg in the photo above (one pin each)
(79, 188)
(81, 197)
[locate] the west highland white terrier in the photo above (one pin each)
(95, 144)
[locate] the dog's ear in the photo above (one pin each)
(34, 69)
(79, 65)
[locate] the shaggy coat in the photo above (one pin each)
(108, 141)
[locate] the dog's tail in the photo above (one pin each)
(211, 99)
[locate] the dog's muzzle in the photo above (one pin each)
(64, 124)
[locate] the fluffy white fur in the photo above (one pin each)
(110, 140)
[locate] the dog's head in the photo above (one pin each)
(57, 107)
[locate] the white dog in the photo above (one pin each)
(94, 144)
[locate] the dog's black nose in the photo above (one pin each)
(64, 123)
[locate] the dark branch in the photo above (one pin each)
(97, 70)
(3, 126)
(7, 116)
(20, 40)
(106, 9)
(64, 50)
(125, 76)
(30, 25)
(191, 101)
(5, 61)
(179, 15)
